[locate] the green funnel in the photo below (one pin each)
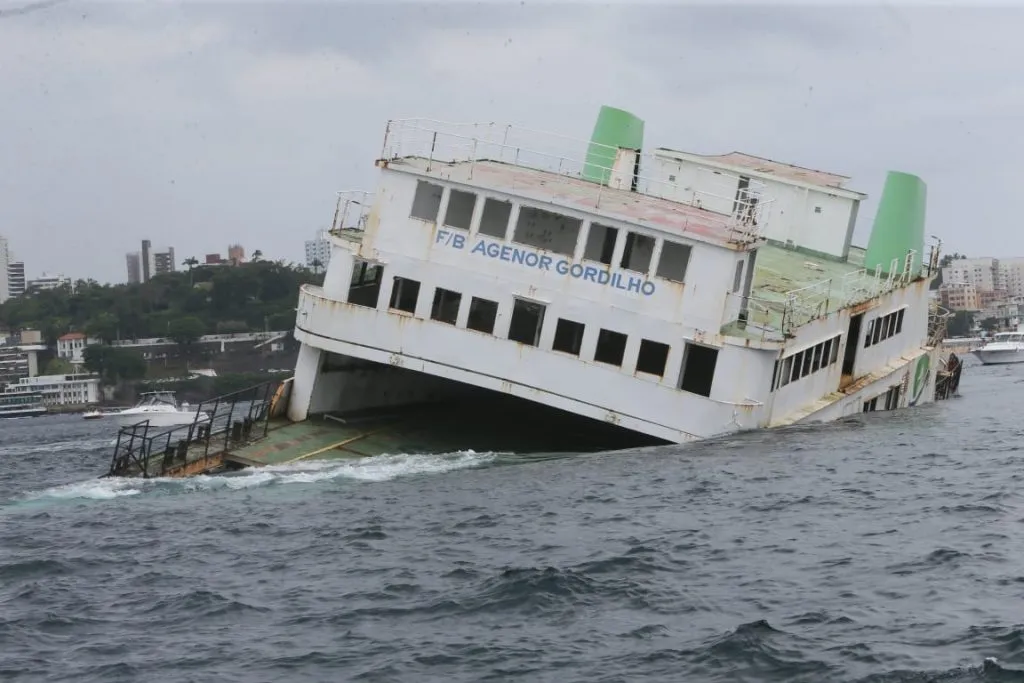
(899, 223)
(614, 129)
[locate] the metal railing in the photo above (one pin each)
(351, 212)
(777, 319)
(744, 212)
(220, 424)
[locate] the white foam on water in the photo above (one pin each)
(378, 468)
(96, 489)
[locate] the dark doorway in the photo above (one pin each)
(852, 339)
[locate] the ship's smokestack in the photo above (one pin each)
(613, 157)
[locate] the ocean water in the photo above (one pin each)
(889, 547)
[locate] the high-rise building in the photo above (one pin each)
(236, 254)
(318, 252)
(151, 262)
(134, 261)
(16, 278)
(5, 259)
(163, 261)
(147, 260)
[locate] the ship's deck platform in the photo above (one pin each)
(793, 286)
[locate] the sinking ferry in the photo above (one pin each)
(660, 294)
(672, 294)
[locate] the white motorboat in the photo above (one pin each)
(1003, 347)
(161, 409)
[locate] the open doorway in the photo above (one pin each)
(852, 344)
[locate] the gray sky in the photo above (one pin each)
(199, 124)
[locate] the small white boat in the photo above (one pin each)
(161, 409)
(1003, 347)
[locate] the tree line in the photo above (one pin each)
(181, 305)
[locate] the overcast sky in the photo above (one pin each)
(199, 124)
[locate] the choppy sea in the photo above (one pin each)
(889, 547)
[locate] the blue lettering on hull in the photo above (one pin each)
(529, 258)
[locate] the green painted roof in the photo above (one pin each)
(823, 285)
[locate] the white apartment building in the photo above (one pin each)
(984, 273)
(47, 282)
(60, 390)
(318, 250)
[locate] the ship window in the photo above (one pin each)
(787, 370)
(611, 347)
(494, 219)
(568, 336)
(652, 357)
(884, 327)
(459, 213)
(600, 243)
(527, 321)
(482, 314)
(675, 257)
(637, 253)
(737, 278)
(364, 289)
(427, 201)
(404, 294)
(698, 369)
(816, 363)
(446, 306)
(547, 230)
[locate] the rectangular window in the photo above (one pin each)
(364, 289)
(482, 315)
(494, 219)
(459, 213)
(427, 201)
(798, 363)
(787, 371)
(568, 336)
(652, 357)
(611, 347)
(637, 253)
(899, 320)
(698, 371)
(527, 321)
(547, 230)
(404, 294)
(445, 307)
(737, 278)
(675, 257)
(600, 243)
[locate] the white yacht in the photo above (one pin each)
(161, 409)
(1001, 348)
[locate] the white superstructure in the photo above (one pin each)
(484, 261)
